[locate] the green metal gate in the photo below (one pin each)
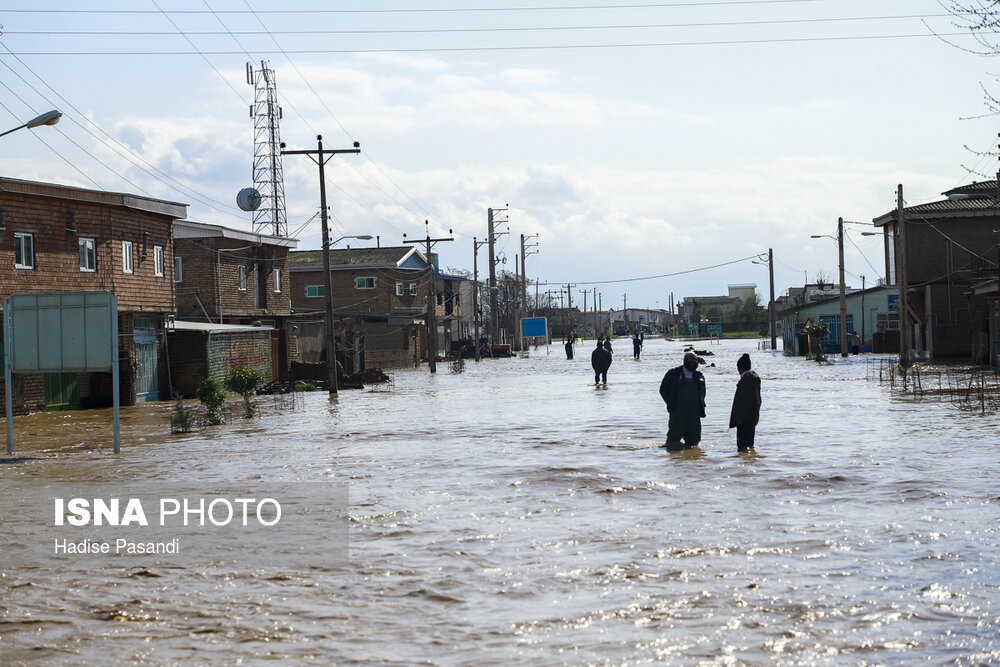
(147, 386)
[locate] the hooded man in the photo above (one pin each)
(683, 390)
(746, 405)
(600, 359)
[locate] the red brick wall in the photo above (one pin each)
(57, 257)
(347, 298)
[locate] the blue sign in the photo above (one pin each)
(534, 326)
(893, 302)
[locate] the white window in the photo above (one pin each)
(178, 269)
(127, 258)
(241, 278)
(157, 260)
(399, 289)
(413, 289)
(277, 281)
(88, 254)
(24, 251)
(364, 283)
(315, 291)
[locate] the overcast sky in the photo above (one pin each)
(634, 138)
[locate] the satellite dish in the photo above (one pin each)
(248, 199)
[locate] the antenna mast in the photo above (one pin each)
(268, 178)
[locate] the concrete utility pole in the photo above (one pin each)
(431, 297)
(862, 276)
(770, 305)
(492, 235)
(584, 334)
(624, 311)
(524, 271)
(321, 158)
(843, 289)
(904, 315)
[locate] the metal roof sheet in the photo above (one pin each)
(340, 257)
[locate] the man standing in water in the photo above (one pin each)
(600, 359)
(746, 405)
(683, 390)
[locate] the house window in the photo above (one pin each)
(440, 298)
(127, 260)
(88, 254)
(315, 291)
(241, 278)
(158, 260)
(178, 269)
(277, 281)
(413, 289)
(364, 283)
(399, 289)
(24, 251)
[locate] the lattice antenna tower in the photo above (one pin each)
(268, 178)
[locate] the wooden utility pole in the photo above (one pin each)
(843, 289)
(904, 316)
(431, 297)
(862, 276)
(770, 305)
(321, 158)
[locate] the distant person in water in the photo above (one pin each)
(600, 359)
(683, 390)
(746, 405)
(569, 344)
(636, 345)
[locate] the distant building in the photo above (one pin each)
(869, 313)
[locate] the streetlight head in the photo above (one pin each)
(816, 236)
(47, 118)
(871, 233)
(365, 237)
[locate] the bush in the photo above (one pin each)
(183, 419)
(212, 397)
(305, 386)
(244, 381)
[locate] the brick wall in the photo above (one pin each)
(229, 350)
(201, 261)
(347, 298)
(52, 223)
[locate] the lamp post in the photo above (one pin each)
(843, 290)
(47, 118)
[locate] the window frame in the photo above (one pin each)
(159, 261)
(128, 257)
(413, 289)
(19, 238)
(399, 289)
(178, 269)
(88, 245)
(241, 278)
(319, 291)
(277, 280)
(369, 282)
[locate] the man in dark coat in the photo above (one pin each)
(636, 345)
(746, 405)
(600, 359)
(683, 390)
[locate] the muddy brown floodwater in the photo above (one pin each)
(512, 514)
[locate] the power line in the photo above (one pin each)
(467, 49)
(422, 31)
(664, 275)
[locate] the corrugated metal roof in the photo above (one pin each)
(160, 206)
(946, 208)
(182, 325)
(189, 229)
(382, 257)
(988, 188)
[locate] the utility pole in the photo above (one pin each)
(584, 313)
(569, 305)
(431, 297)
(476, 324)
(321, 158)
(524, 271)
(492, 234)
(904, 315)
(625, 311)
(770, 305)
(862, 276)
(843, 290)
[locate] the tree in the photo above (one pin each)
(821, 277)
(245, 382)
(213, 398)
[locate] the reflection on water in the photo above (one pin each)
(512, 514)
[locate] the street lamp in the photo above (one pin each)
(843, 291)
(361, 237)
(47, 118)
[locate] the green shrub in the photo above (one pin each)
(213, 398)
(245, 382)
(183, 419)
(305, 386)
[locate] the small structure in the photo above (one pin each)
(200, 350)
(869, 312)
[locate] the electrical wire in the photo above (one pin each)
(664, 275)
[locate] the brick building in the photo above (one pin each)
(237, 282)
(951, 246)
(61, 238)
(380, 296)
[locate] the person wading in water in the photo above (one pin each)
(683, 390)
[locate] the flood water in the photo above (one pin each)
(514, 514)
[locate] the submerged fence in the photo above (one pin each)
(966, 387)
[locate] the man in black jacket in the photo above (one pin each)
(746, 405)
(683, 390)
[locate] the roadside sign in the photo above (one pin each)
(534, 326)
